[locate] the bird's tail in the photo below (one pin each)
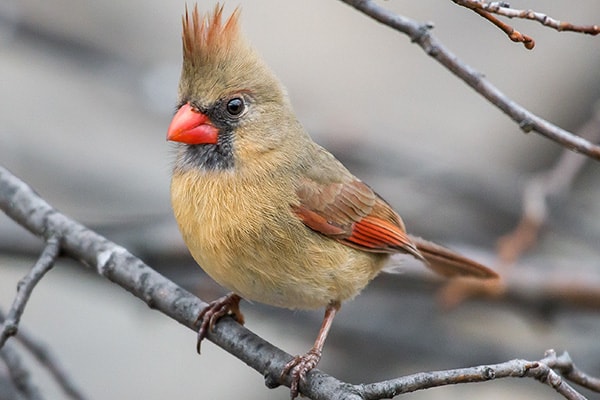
(448, 263)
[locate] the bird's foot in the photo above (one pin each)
(226, 305)
(299, 367)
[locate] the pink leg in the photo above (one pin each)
(301, 365)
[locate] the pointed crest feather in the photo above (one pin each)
(206, 34)
(219, 61)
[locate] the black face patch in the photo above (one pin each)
(210, 157)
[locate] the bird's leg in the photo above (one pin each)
(301, 365)
(226, 305)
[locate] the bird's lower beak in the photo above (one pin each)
(192, 127)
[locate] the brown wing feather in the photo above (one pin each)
(336, 204)
(353, 214)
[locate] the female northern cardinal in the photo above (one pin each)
(266, 212)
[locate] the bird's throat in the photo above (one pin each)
(209, 157)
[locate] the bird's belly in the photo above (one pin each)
(264, 253)
(306, 279)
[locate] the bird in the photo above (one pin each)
(269, 214)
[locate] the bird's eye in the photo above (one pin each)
(235, 106)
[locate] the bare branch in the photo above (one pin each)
(420, 33)
(511, 32)
(557, 180)
(47, 359)
(19, 375)
(10, 325)
(564, 364)
(551, 288)
(513, 369)
(502, 8)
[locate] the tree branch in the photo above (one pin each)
(502, 8)
(10, 324)
(19, 375)
(511, 32)
(555, 181)
(48, 360)
(420, 34)
(564, 364)
(513, 369)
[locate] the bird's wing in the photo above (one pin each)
(335, 203)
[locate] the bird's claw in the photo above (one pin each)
(299, 367)
(226, 305)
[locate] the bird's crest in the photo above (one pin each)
(218, 60)
(206, 35)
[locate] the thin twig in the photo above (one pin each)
(513, 368)
(564, 364)
(19, 375)
(420, 34)
(511, 32)
(48, 360)
(501, 8)
(25, 288)
(556, 181)
(544, 374)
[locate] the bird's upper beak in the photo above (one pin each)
(190, 126)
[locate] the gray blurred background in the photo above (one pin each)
(87, 92)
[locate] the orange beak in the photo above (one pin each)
(192, 127)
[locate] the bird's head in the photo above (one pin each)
(228, 97)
